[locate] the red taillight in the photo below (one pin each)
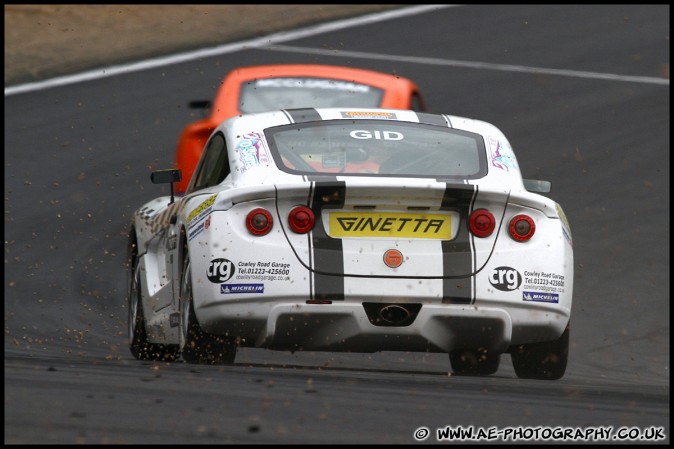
(522, 227)
(482, 223)
(301, 219)
(259, 221)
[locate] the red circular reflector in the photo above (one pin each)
(522, 227)
(301, 219)
(259, 221)
(482, 223)
(393, 258)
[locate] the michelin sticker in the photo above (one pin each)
(502, 155)
(252, 151)
(540, 297)
(197, 218)
(226, 289)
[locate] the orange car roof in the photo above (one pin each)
(227, 96)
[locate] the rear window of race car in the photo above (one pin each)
(367, 147)
(295, 92)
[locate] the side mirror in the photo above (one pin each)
(199, 104)
(203, 105)
(537, 186)
(167, 176)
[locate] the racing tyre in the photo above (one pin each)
(546, 360)
(196, 345)
(140, 347)
(469, 362)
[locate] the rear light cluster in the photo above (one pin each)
(522, 227)
(259, 221)
(301, 220)
(482, 224)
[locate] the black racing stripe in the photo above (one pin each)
(303, 115)
(457, 254)
(311, 263)
(327, 253)
(432, 119)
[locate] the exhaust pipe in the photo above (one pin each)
(391, 314)
(395, 315)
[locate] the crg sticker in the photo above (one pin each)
(505, 279)
(220, 270)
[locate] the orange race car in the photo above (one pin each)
(289, 86)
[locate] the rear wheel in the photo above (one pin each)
(196, 345)
(546, 360)
(141, 348)
(470, 362)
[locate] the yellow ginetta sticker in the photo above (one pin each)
(390, 224)
(202, 207)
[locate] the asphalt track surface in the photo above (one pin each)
(582, 92)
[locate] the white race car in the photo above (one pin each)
(355, 230)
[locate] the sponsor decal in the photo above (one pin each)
(195, 220)
(377, 135)
(196, 230)
(566, 228)
(505, 279)
(393, 258)
(252, 151)
(270, 271)
(171, 242)
(312, 83)
(369, 114)
(390, 224)
(540, 297)
(220, 270)
(202, 209)
(159, 220)
(543, 281)
(241, 288)
(333, 160)
(501, 155)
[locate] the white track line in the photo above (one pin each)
(282, 36)
(469, 64)
(268, 43)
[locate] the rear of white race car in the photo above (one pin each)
(371, 264)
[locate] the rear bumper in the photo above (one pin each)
(345, 326)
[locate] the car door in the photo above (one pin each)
(212, 169)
